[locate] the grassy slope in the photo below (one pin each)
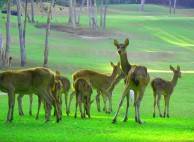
(150, 35)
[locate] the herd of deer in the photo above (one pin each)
(49, 85)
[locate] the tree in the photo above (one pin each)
(32, 10)
(21, 37)
(7, 50)
(142, 5)
(174, 7)
(47, 34)
(2, 57)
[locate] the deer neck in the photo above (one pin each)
(124, 63)
(174, 80)
(113, 75)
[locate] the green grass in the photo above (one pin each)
(157, 40)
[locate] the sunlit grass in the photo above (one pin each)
(157, 40)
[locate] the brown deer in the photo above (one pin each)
(39, 81)
(136, 79)
(65, 89)
(163, 87)
(100, 82)
(83, 91)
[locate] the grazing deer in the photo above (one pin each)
(83, 91)
(136, 79)
(100, 82)
(65, 89)
(39, 81)
(165, 88)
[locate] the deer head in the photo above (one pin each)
(116, 68)
(121, 48)
(177, 72)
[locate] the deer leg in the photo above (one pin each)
(109, 99)
(154, 113)
(19, 98)
(168, 102)
(121, 102)
(76, 105)
(140, 97)
(165, 101)
(104, 100)
(11, 100)
(127, 107)
(71, 97)
(158, 103)
(80, 108)
(98, 100)
(31, 99)
(135, 105)
(66, 100)
(39, 104)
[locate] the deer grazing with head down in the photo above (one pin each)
(163, 87)
(100, 82)
(39, 81)
(136, 79)
(83, 90)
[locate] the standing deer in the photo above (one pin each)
(65, 89)
(39, 81)
(100, 82)
(83, 91)
(136, 79)
(165, 88)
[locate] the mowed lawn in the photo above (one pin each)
(157, 40)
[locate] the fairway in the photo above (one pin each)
(156, 40)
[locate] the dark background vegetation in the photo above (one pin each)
(180, 3)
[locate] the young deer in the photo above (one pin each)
(83, 91)
(136, 79)
(165, 88)
(100, 82)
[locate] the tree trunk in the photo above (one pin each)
(80, 11)
(88, 10)
(32, 10)
(22, 49)
(7, 50)
(105, 10)
(24, 31)
(26, 12)
(170, 6)
(174, 8)
(70, 12)
(2, 56)
(142, 5)
(47, 34)
(101, 13)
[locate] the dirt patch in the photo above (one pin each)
(84, 32)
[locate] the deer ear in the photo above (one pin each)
(178, 68)
(57, 72)
(126, 42)
(118, 64)
(112, 64)
(171, 68)
(116, 42)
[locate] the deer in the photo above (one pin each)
(65, 89)
(39, 81)
(136, 78)
(56, 92)
(100, 82)
(164, 87)
(83, 90)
